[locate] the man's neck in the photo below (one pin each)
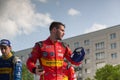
(53, 39)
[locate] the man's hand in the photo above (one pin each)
(39, 70)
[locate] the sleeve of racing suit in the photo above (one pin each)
(72, 74)
(31, 61)
(68, 54)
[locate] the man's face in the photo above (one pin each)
(60, 32)
(5, 50)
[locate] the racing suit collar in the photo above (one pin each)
(53, 42)
(8, 56)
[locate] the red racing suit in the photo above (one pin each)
(51, 57)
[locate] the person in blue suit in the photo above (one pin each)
(10, 65)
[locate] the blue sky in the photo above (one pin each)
(26, 21)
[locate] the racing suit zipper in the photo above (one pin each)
(55, 59)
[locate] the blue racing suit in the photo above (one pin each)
(10, 69)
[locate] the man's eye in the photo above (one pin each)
(3, 48)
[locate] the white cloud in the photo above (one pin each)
(95, 27)
(73, 12)
(19, 17)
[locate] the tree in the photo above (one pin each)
(108, 72)
(116, 73)
(88, 78)
(26, 75)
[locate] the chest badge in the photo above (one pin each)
(45, 54)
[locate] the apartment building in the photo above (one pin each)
(24, 54)
(102, 47)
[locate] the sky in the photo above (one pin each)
(25, 22)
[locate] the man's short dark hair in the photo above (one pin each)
(55, 24)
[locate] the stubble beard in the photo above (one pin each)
(58, 38)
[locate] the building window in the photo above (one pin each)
(113, 45)
(86, 42)
(100, 55)
(100, 65)
(22, 58)
(114, 55)
(87, 61)
(76, 44)
(87, 51)
(87, 70)
(99, 45)
(113, 36)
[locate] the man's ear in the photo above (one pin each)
(54, 29)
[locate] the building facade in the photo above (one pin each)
(102, 47)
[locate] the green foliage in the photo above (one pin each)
(26, 75)
(87, 79)
(108, 72)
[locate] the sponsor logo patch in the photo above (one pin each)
(52, 54)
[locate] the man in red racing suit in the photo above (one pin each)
(51, 53)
